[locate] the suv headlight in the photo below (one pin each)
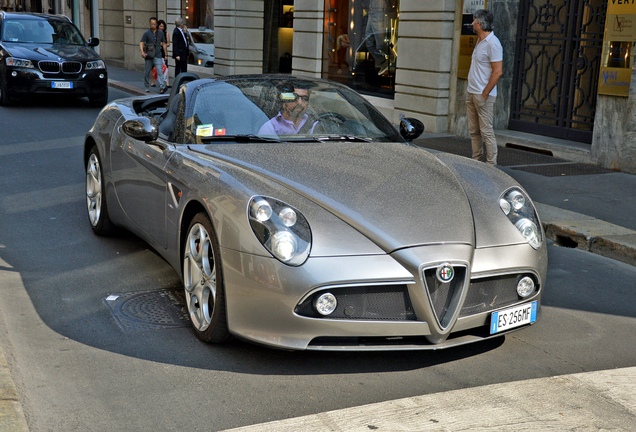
(518, 207)
(283, 230)
(15, 62)
(98, 64)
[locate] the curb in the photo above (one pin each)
(129, 88)
(583, 232)
(12, 417)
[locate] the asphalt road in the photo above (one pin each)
(82, 362)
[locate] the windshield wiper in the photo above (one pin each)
(241, 138)
(351, 138)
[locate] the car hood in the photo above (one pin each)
(53, 52)
(396, 195)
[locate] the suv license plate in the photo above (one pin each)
(62, 85)
(513, 317)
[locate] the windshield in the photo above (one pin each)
(41, 31)
(202, 37)
(290, 109)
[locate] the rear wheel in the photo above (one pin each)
(95, 195)
(203, 282)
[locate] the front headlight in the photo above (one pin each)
(283, 230)
(517, 206)
(98, 64)
(15, 62)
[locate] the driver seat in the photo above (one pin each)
(166, 126)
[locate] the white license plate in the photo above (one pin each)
(62, 85)
(513, 317)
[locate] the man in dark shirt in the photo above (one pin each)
(180, 47)
(150, 46)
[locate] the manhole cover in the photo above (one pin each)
(149, 310)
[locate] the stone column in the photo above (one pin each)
(425, 53)
(308, 37)
(111, 32)
(238, 37)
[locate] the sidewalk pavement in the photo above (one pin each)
(581, 207)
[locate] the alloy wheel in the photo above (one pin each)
(199, 277)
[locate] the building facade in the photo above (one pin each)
(406, 57)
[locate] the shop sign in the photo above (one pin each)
(618, 48)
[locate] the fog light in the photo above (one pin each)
(525, 286)
(14, 74)
(101, 76)
(326, 303)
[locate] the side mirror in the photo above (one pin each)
(93, 42)
(142, 128)
(411, 128)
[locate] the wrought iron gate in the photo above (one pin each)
(557, 63)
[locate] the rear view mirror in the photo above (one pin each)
(93, 42)
(411, 128)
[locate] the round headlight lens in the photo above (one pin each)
(525, 287)
(262, 211)
(517, 200)
(288, 216)
(505, 206)
(326, 303)
(284, 245)
(529, 231)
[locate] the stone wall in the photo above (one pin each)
(111, 34)
(614, 139)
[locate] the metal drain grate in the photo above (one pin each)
(149, 310)
(505, 156)
(572, 191)
(567, 169)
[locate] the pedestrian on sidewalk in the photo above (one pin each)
(161, 25)
(150, 46)
(486, 68)
(180, 47)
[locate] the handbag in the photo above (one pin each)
(150, 49)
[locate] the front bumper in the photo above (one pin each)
(27, 82)
(263, 297)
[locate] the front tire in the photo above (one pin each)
(95, 195)
(5, 100)
(99, 100)
(203, 282)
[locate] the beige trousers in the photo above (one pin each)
(480, 115)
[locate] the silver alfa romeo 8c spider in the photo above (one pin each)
(299, 217)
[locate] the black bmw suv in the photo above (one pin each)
(48, 54)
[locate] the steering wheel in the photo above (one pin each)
(332, 117)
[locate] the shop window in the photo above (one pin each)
(360, 45)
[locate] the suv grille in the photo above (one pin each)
(49, 66)
(71, 67)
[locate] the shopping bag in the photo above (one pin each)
(164, 71)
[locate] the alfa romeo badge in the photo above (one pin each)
(445, 273)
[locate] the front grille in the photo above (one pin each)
(492, 293)
(442, 294)
(71, 67)
(49, 66)
(385, 302)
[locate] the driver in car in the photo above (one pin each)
(292, 118)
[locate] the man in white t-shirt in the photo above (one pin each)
(486, 68)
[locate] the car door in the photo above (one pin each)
(139, 178)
